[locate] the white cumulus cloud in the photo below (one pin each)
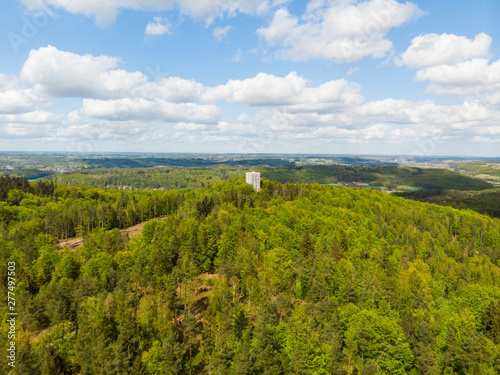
(16, 98)
(425, 113)
(474, 77)
(149, 110)
(189, 127)
(433, 49)
(33, 125)
(65, 74)
(118, 105)
(327, 97)
(171, 89)
(35, 117)
(338, 30)
(262, 90)
(158, 26)
(267, 90)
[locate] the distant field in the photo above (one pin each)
(489, 172)
(408, 188)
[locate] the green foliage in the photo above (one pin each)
(464, 349)
(378, 338)
(485, 202)
(19, 185)
(302, 279)
(389, 176)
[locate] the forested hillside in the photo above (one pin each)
(295, 279)
(65, 211)
(29, 173)
(147, 178)
(377, 175)
(175, 178)
(485, 202)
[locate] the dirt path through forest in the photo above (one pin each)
(127, 233)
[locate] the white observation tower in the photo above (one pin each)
(253, 178)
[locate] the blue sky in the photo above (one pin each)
(251, 76)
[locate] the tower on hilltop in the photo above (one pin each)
(253, 178)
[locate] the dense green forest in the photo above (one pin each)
(65, 211)
(29, 173)
(376, 175)
(174, 178)
(294, 279)
(148, 178)
(485, 202)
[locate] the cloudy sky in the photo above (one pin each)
(251, 76)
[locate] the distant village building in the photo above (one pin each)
(253, 178)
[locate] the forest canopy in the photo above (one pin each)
(296, 278)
